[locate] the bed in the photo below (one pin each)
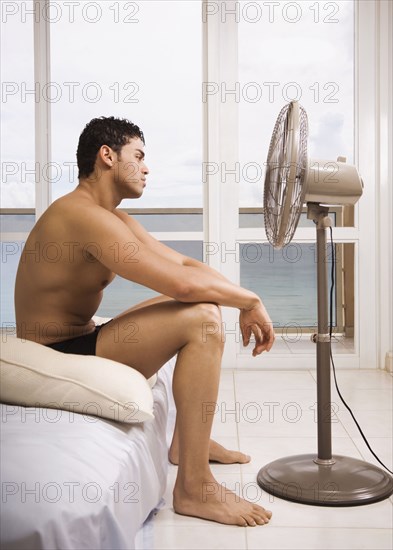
(76, 481)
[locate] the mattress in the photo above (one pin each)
(73, 481)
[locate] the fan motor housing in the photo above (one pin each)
(332, 182)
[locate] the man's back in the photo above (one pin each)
(59, 281)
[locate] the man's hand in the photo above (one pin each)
(257, 321)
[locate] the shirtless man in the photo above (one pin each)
(75, 250)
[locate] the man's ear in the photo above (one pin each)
(107, 155)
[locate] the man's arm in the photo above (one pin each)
(160, 268)
(161, 249)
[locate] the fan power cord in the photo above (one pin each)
(331, 354)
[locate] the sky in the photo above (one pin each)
(143, 61)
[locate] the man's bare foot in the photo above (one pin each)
(217, 453)
(210, 500)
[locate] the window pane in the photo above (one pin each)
(17, 223)
(181, 220)
(253, 217)
(294, 50)
(286, 281)
(17, 106)
(10, 255)
(135, 60)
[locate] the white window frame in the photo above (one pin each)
(384, 178)
(43, 187)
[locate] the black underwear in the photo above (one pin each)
(81, 345)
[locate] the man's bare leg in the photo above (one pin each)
(159, 332)
(217, 453)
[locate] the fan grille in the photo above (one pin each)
(285, 188)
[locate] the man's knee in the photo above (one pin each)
(208, 322)
(206, 312)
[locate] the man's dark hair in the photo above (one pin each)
(111, 131)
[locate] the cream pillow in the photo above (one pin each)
(34, 375)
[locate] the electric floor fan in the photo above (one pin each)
(290, 181)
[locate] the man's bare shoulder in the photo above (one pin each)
(80, 220)
(132, 224)
(74, 203)
(80, 211)
(121, 215)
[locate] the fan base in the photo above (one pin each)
(346, 482)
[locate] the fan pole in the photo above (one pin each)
(323, 479)
(322, 220)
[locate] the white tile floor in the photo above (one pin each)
(271, 415)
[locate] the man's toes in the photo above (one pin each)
(242, 458)
(242, 522)
(267, 515)
(260, 520)
(235, 457)
(250, 520)
(262, 513)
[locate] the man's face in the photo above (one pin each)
(131, 170)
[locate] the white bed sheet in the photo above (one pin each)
(71, 481)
